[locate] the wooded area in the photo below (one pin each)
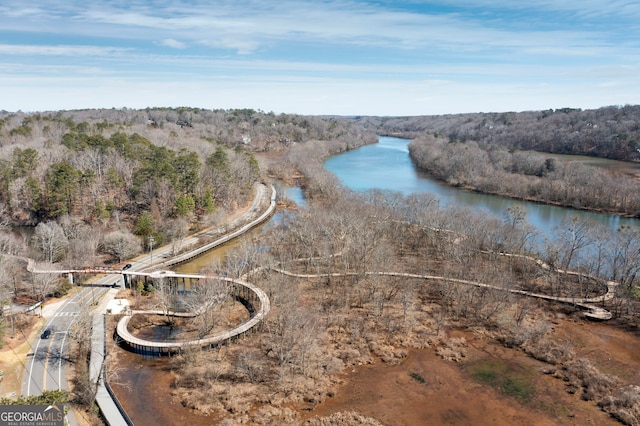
(609, 132)
(526, 175)
(336, 304)
(352, 277)
(101, 182)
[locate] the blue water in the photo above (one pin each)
(387, 165)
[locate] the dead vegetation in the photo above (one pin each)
(342, 315)
(349, 418)
(336, 310)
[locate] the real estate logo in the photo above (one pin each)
(31, 415)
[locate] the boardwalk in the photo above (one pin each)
(260, 302)
(240, 288)
(247, 291)
(589, 304)
(108, 404)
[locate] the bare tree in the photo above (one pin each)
(50, 241)
(44, 283)
(249, 363)
(564, 252)
(624, 261)
(121, 244)
(84, 241)
(292, 329)
(206, 298)
(519, 235)
(4, 217)
(242, 259)
(163, 295)
(176, 230)
(11, 244)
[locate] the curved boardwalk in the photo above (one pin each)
(247, 291)
(588, 303)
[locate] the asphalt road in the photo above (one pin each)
(47, 363)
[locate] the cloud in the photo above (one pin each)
(257, 26)
(586, 9)
(59, 50)
(332, 51)
(169, 42)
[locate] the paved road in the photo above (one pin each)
(47, 366)
(48, 361)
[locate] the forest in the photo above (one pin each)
(95, 184)
(526, 175)
(354, 278)
(609, 132)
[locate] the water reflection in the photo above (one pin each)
(387, 165)
(295, 194)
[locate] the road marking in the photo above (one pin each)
(44, 366)
(66, 314)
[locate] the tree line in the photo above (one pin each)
(610, 132)
(526, 175)
(92, 186)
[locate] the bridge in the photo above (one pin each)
(253, 297)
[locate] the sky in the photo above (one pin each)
(339, 57)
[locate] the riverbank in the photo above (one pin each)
(323, 328)
(475, 190)
(528, 176)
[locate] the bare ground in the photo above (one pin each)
(424, 388)
(13, 355)
(450, 395)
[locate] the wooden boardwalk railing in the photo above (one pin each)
(239, 288)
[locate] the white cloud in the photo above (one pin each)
(169, 42)
(245, 26)
(334, 56)
(60, 50)
(583, 8)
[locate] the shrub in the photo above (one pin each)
(624, 405)
(344, 418)
(417, 377)
(596, 385)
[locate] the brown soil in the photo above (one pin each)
(14, 355)
(425, 389)
(450, 395)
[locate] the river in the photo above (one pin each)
(387, 165)
(384, 165)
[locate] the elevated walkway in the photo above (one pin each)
(242, 289)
